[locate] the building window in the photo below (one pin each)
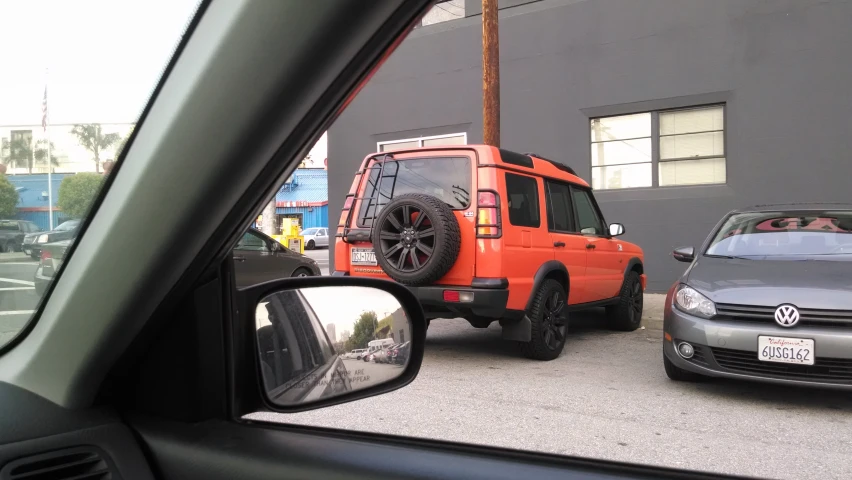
(659, 149)
(433, 141)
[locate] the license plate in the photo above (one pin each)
(27, 251)
(785, 350)
(363, 256)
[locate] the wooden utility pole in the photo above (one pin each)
(490, 74)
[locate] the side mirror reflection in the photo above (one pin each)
(318, 343)
(684, 254)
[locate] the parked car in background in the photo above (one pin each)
(490, 235)
(33, 241)
(399, 354)
(12, 233)
(768, 297)
(315, 237)
(357, 353)
(51, 258)
(259, 258)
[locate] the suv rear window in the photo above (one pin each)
(447, 178)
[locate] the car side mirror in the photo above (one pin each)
(684, 254)
(299, 335)
(616, 229)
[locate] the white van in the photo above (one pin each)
(356, 354)
(376, 345)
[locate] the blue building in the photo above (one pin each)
(305, 198)
(33, 195)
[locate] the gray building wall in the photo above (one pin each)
(781, 66)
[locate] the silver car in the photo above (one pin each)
(768, 297)
(315, 237)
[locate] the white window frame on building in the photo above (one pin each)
(418, 142)
(661, 148)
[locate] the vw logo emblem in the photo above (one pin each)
(787, 315)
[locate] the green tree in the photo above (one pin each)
(40, 153)
(91, 137)
(119, 146)
(77, 192)
(363, 332)
(8, 198)
(18, 152)
(21, 153)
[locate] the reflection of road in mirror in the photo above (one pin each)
(323, 342)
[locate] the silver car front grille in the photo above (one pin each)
(808, 316)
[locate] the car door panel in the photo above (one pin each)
(569, 247)
(525, 237)
(224, 450)
(603, 276)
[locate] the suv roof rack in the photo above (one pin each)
(560, 166)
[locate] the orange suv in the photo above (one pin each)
(487, 234)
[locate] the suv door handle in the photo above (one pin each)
(558, 244)
(590, 245)
(239, 258)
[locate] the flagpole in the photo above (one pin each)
(49, 158)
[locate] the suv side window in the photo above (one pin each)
(252, 242)
(522, 193)
(588, 220)
(559, 212)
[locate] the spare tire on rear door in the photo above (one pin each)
(416, 238)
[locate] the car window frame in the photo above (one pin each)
(595, 208)
(536, 179)
(572, 221)
(265, 241)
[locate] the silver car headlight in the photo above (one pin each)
(42, 238)
(688, 300)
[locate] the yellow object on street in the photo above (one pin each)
(290, 237)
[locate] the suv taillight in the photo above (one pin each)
(488, 221)
(347, 205)
(45, 255)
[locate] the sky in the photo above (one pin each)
(101, 59)
(343, 305)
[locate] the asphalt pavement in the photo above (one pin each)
(606, 397)
(18, 299)
(321, 256)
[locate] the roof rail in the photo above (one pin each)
(560, 166)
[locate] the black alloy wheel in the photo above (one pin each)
(548, 317)
(626, 315)
(553, 323)
(635, 303)
(407, 237)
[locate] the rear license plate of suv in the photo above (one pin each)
(363, 256)
(799, 351)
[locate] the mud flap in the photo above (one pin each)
(517, 330)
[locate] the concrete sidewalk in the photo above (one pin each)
(652, 314)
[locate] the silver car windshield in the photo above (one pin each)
(780, 234)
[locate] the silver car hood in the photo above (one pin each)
(818, 284)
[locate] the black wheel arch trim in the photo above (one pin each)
(632, 263)
(544, 270)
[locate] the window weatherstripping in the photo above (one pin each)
(432, 141)
(659, 149)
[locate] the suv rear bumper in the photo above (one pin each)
(489, 299)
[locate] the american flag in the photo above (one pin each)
(44, 111)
